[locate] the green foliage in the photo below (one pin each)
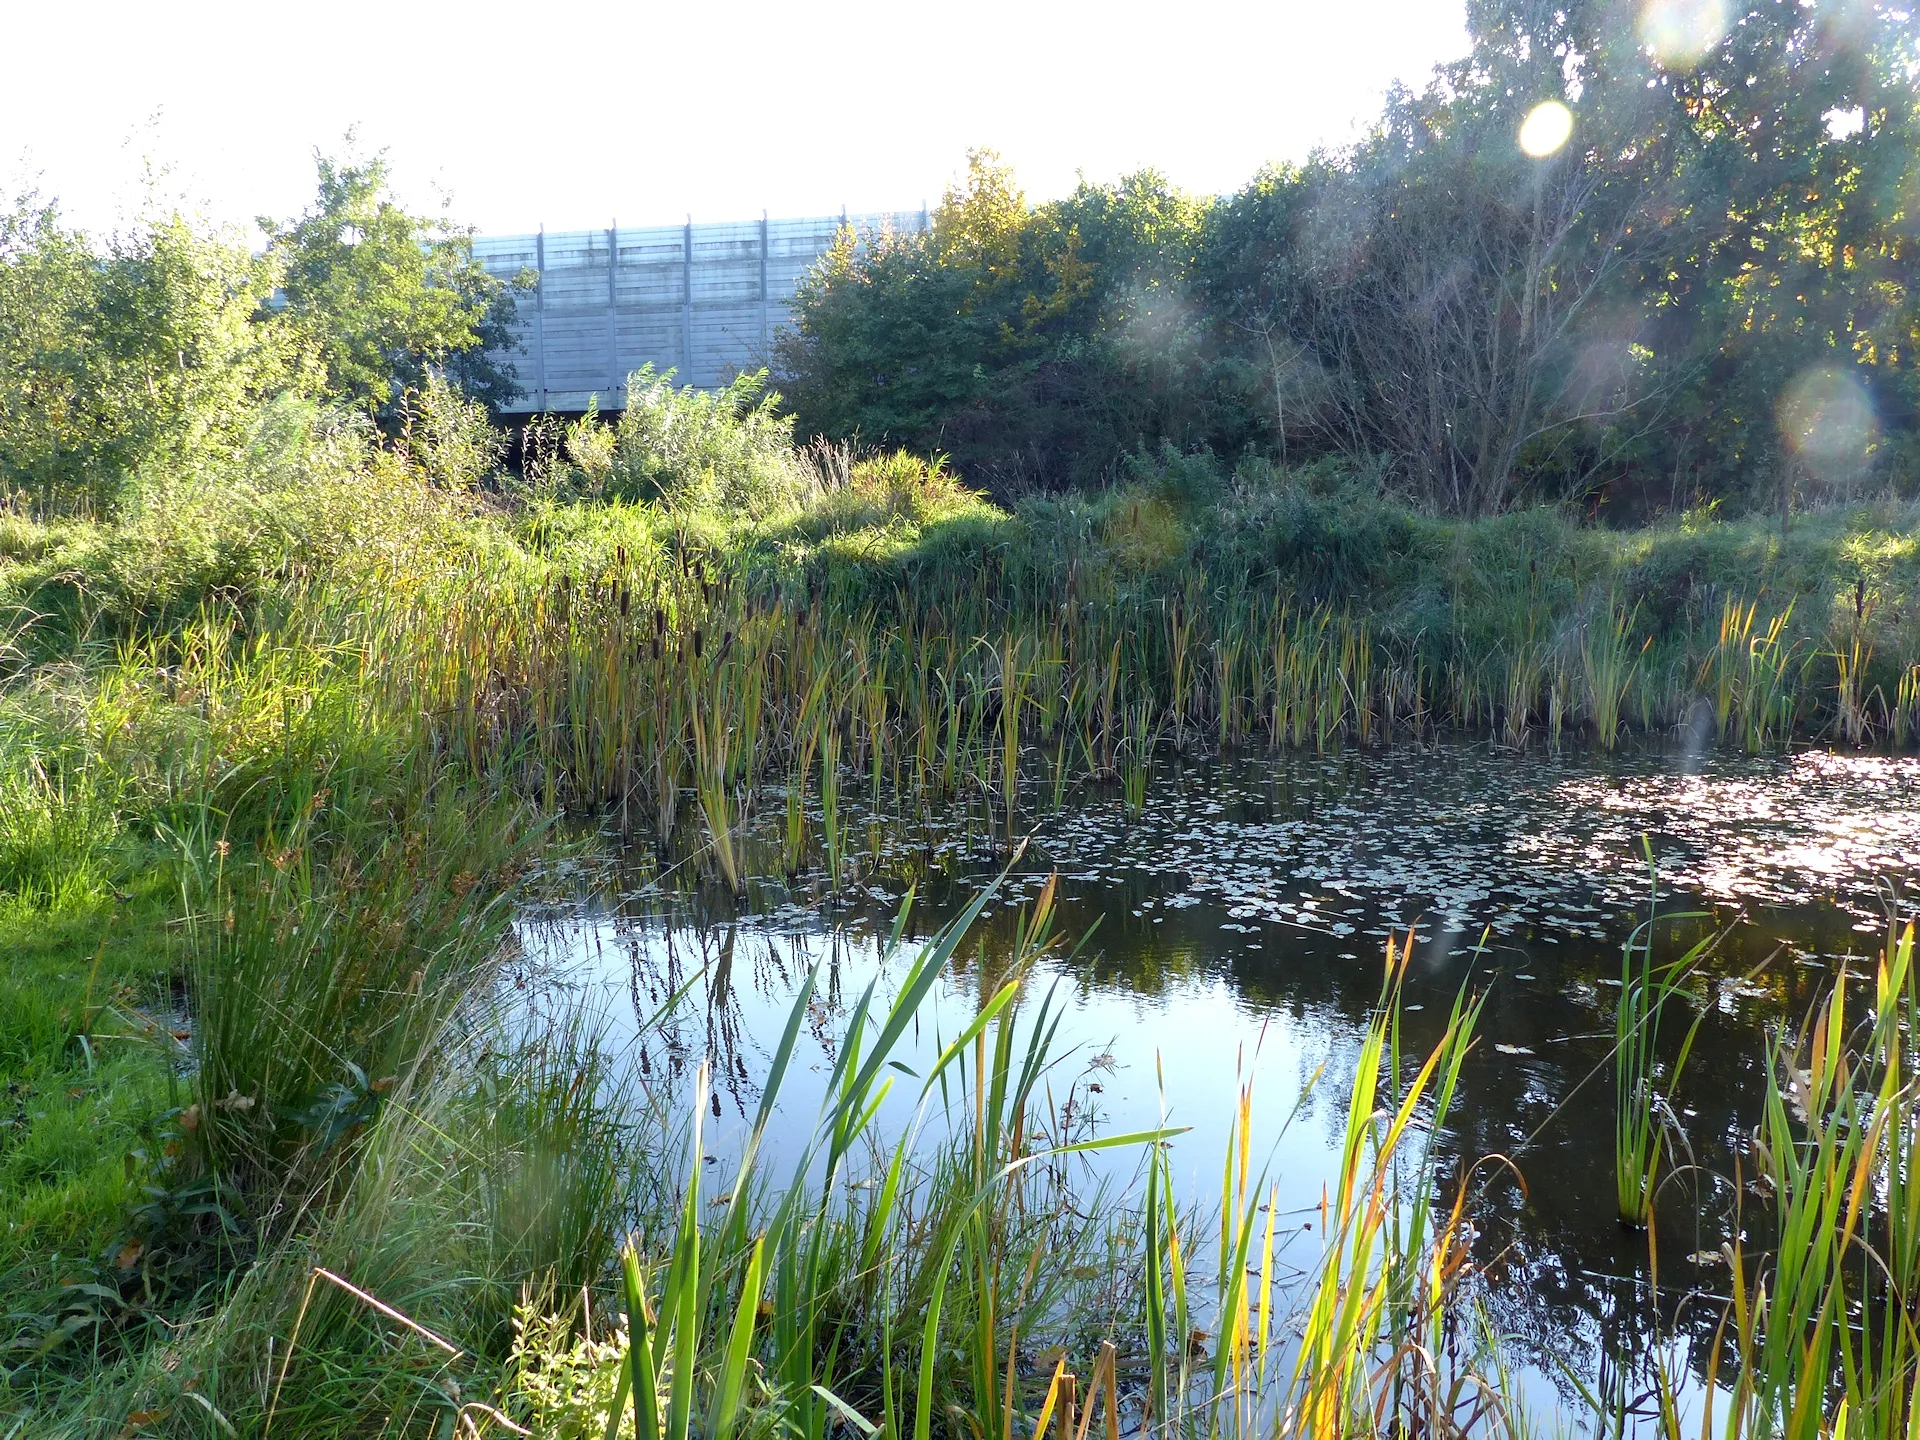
(728, 450)
(83, 998)
(141, 358)
(56, 831)
(1711, 291)
(870, 495)
(566, 1384)
(144, 363)
(317, 694)
(381, 295)
(311, 490)
(332, 967)
(1034, 344)
(450, 436)
(280, 720)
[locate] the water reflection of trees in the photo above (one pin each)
(1561, 1274)
(1561, 1279)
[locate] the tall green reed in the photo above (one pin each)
(1608, 661)
(1643, 1120)
(1817, 1338)
(940, 1246)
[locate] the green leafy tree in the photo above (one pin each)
(1801, 195)
(1709, 291)
(140, 356)
(1035, 344)
(382, 296)
(1457, 289)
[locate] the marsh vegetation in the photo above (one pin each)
(326, 704)
(286, 758)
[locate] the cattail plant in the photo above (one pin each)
(1852, 640)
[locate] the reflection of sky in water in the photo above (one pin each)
(1238, 926)
(1108, 1038)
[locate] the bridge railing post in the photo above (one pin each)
(686, 303)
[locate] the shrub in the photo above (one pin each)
(143, 355)
(729, 448)
(854, 491)
(449, 436)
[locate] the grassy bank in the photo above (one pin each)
(280, 746)
(660, 663)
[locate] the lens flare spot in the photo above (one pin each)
(1681, 33)
(1827, 419)
(1547, 127)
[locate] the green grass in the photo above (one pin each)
(277, 752)
(87, 1012)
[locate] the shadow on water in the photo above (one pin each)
(1236, 925)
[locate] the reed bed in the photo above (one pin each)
(1816, 1337)
(625, 683)
(342, 760)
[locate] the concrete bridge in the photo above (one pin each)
(704, 301)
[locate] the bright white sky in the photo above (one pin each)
(576, 115)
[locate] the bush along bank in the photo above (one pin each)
(280, 750)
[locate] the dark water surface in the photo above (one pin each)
(1237, 927)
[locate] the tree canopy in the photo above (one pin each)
(380, 294)
(1708, 291)
(142, 352)
(157, 348)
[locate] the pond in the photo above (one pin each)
(1234, 927)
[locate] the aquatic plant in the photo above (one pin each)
(1380, 1348)
(714, 767)
(1137, 766)
(1851, 636)
(1608, 661)
(1817, 1337)
(694, 1311)
(1527, 666)
(1643, 1123)
(1903, 713)
(1751, 669)
(726, 1297)
(590, 659)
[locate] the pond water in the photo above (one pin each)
(1236, 927)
